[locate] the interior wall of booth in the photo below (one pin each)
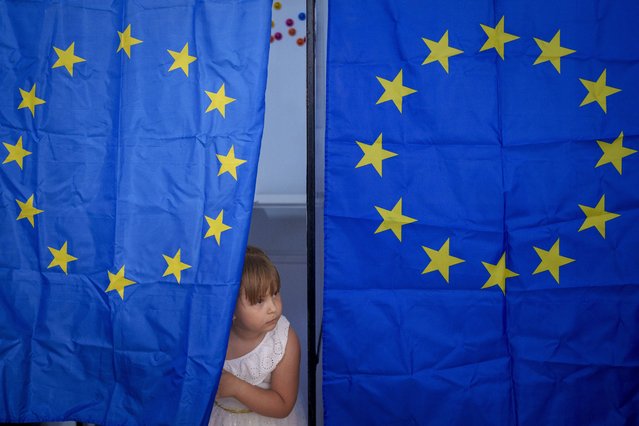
(278, 225)
(279, 214)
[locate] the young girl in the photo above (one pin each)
(261, 372)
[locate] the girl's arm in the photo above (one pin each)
(280, 399)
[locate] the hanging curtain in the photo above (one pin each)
(131, 133)
(481, 213)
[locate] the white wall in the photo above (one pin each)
(282, 168)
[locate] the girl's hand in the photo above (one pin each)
(227, 386)
(279, 400)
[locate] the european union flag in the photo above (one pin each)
(131, 133)
(481, 213)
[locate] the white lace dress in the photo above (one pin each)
(255, 368)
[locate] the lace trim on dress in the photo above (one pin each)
(257, 365)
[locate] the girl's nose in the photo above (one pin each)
(271, 304)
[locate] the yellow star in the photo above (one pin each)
(596, 217)
(614, 152)
(552, 51)
(67, 58)
(497, 38)
(174, 265)
(498, 274)
(60, 257)
(16, 152)
(374, 154)
(118, 282)
(551, 260)
(126, 41)
(394, 90)
(30, 100)
(440, 51)
(216, 227)
(182, 59)
(598, 91)
(393, 220)
(229, 164)
(440, 260)
(27, 211)
(219, 100)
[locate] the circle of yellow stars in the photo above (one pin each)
(228, 164)
(440, 51)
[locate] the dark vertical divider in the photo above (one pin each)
(310, 207)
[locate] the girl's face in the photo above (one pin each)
(260, 317)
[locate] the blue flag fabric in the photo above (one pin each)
(131, 134)
(481, 213)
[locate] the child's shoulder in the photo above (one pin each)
(255, 365)
(287, 336)
(280, 334)
(283, 324)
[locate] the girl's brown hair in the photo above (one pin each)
(259, 276)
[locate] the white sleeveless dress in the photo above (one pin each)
(255, 368)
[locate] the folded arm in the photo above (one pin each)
(280, 399)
